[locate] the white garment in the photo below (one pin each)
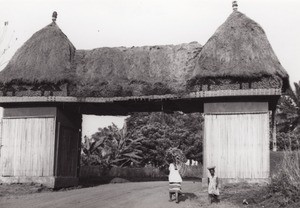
(174, 175)
(212, 186)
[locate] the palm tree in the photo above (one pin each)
(288, 113)
(110, 147)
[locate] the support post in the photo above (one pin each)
(274, 140)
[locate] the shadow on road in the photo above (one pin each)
(189, 196)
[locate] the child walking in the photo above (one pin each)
(213, 185)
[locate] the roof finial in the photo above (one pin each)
(54, 16)
(234, 5)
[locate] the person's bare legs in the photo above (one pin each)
(170, 195)
(177, 198)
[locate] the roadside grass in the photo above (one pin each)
(285, 185)
(283, 190)
(18, 189)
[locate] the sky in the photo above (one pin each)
(92, 123)
(98, 23)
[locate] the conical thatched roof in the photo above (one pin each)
(239, 49)
(45, 57)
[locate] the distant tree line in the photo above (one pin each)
(144, 140)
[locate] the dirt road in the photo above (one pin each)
(125, 195)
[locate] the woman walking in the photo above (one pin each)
(175, 159)
(175, 179)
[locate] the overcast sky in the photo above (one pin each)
(97, 23)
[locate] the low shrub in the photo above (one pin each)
(131, 173)
(145, 173)
(194, 171)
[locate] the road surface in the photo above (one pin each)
(125, 195)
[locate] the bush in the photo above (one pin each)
(132, 173)
(285, 185)
(287, 141)
(276, 159)
(147, 173)
(193, 171)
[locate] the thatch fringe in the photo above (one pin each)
(233, 83)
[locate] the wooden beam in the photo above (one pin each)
(200, 94)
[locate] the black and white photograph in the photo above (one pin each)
(149, 103)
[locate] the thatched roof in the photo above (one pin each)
(237, 56)
(45, 57)
(239, 48)
(136, 70)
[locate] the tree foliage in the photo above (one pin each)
(111, 147)
(160, 131)
(288, 119)
(287, 141)
(145, 139)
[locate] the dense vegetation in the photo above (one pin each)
(144, 140)
(110, 147)
(288, 120)
(285, 185)
(160, 131)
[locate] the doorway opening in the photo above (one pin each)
(134, 147)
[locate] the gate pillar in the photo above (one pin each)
(40, 145)
(236, 141)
